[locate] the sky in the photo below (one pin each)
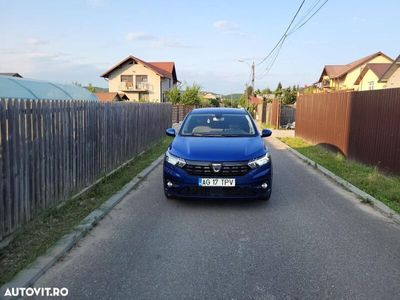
(77, 40)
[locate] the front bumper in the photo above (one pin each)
(247, 186)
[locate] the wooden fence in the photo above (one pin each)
(275, 114)
(179, 112)
(50, 150)
(362, 125)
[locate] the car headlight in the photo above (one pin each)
(258, 162)
(173, 160)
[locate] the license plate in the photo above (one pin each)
(221, 182)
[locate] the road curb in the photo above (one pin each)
(380, 206)
(34, 271)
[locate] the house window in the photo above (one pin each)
(141, 82)
(127, 78)
(370, 85)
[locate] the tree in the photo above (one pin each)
(214, 102)
(91, 88)
(289, 96)
(278, 92)
(248, 92)
(191, 95)
(173, 95)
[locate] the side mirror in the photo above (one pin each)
(266, 133)
(170, 132)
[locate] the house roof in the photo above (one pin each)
(255, 100)
(336, 71)
(107, 97)
(163, 69)
(377, 69)
(389, 72)
(11, 74)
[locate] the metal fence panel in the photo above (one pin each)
(362, 125)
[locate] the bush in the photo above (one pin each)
(173, 95)
(191, 95)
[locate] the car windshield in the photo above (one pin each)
(218, 125)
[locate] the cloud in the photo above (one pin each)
(139, 36)
(95, 3)
(36, 42)
(227, 27)
(172, 44)
(155, 41)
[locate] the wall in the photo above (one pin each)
(51, 150)
(363, 125)
(351, 77)
(394, 80)
(370, 76)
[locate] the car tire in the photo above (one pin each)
(267, 196)
(167, 195)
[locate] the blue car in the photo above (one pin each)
(218, 153)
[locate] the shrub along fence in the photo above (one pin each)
(363, 125)
(51, 150)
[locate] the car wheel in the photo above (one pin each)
(267, 196)
(167, 195)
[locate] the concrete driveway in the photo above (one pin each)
(312, 240)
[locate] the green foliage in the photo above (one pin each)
(173, 95)
(289, 96)
(214, 102)
(91, 88)
(190, 95)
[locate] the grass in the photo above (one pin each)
(37, 236)
(367, 178)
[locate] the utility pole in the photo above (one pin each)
(253, 75)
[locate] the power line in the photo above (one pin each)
(279, 45)
(305, 22)
(283, 37)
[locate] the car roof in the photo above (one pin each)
(219, 110)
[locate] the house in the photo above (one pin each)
(254, 100)
(140, 80)
(391, 78)
(343, 77)
(111, 97)
(209, 96)
(11, 74)
(370, 76)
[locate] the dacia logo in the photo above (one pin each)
(216, 167)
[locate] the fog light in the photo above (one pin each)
(264, 185)
(169, 184)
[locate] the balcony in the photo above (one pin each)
(138, 87)
(326, 83)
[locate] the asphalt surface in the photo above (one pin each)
(312, 240)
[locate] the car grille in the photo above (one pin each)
(218, 191)
(227, 169)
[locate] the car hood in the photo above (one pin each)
(218, 148)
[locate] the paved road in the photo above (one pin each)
(310, 241)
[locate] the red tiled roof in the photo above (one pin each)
(335, 71)
(255, 100)
(161, 68)
(106, 97)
